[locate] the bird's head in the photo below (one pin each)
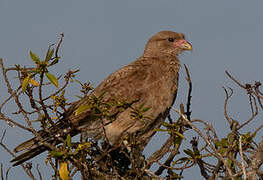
(166, 43)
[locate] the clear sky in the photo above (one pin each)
(102, 36)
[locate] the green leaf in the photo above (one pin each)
(161, 130)
(165, 124)
(56, 153)
(25, 83)
(49, 54)
(179, 134)
(52, 79)
(68, 140)
(34, 57)
(229, 162)
(189, 152)
(224, 142)
(180, 161)
(82, 108)
(82, 146)
(177, 140)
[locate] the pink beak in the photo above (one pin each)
(183, 44)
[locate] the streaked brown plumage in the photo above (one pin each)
(151, 80)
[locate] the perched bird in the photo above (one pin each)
(151, 81)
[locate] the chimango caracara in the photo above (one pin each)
(151, 80)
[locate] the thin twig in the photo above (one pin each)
(225, 104)
(189, 96)
(218, 155)
(2, 171)
(152, 174)
(29, 173)
(253, 115)
(160, 153)
(236, 81)
(59, 43)
(242, 158)
(38, 171)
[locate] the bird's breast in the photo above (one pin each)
(163, 82)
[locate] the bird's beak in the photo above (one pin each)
(185, 45)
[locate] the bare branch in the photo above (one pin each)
(59, 44)
(189, 96)
(225, 104)
(242, 158)
(38, 171)
(236, 81)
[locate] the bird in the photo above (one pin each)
(150, 81)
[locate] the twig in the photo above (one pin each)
(225, 104)
(14, 95)
(242, 158)
(189, 96)
(208, 126)
(59, 43)
(21, 109)
(38, 171)
(199, 162)
(152, 174)
(259, 128)
(253, 114)
(10, 121)
(29, 173)
(2, 171)
(160, 153)
(168, 161)
(218, 155)
(236, 81)
(59, 90)
(7, 172)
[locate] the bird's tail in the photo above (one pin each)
(33, 147)
(28, 154)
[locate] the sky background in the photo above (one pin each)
(102, 36)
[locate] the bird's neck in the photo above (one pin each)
(165, 59)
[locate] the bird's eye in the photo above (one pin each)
(171, 39)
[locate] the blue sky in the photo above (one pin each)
(102, 36)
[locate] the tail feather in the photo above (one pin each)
(33, 143)
(28, 155)
(33, 147)
(24, 145)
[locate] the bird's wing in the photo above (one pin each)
(123, 85)
(126, 82)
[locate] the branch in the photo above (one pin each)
(28, 172)
(225, 104)
(189, 96)
(236, 81)
(59, 44)
(242, 158)
(218, 155)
